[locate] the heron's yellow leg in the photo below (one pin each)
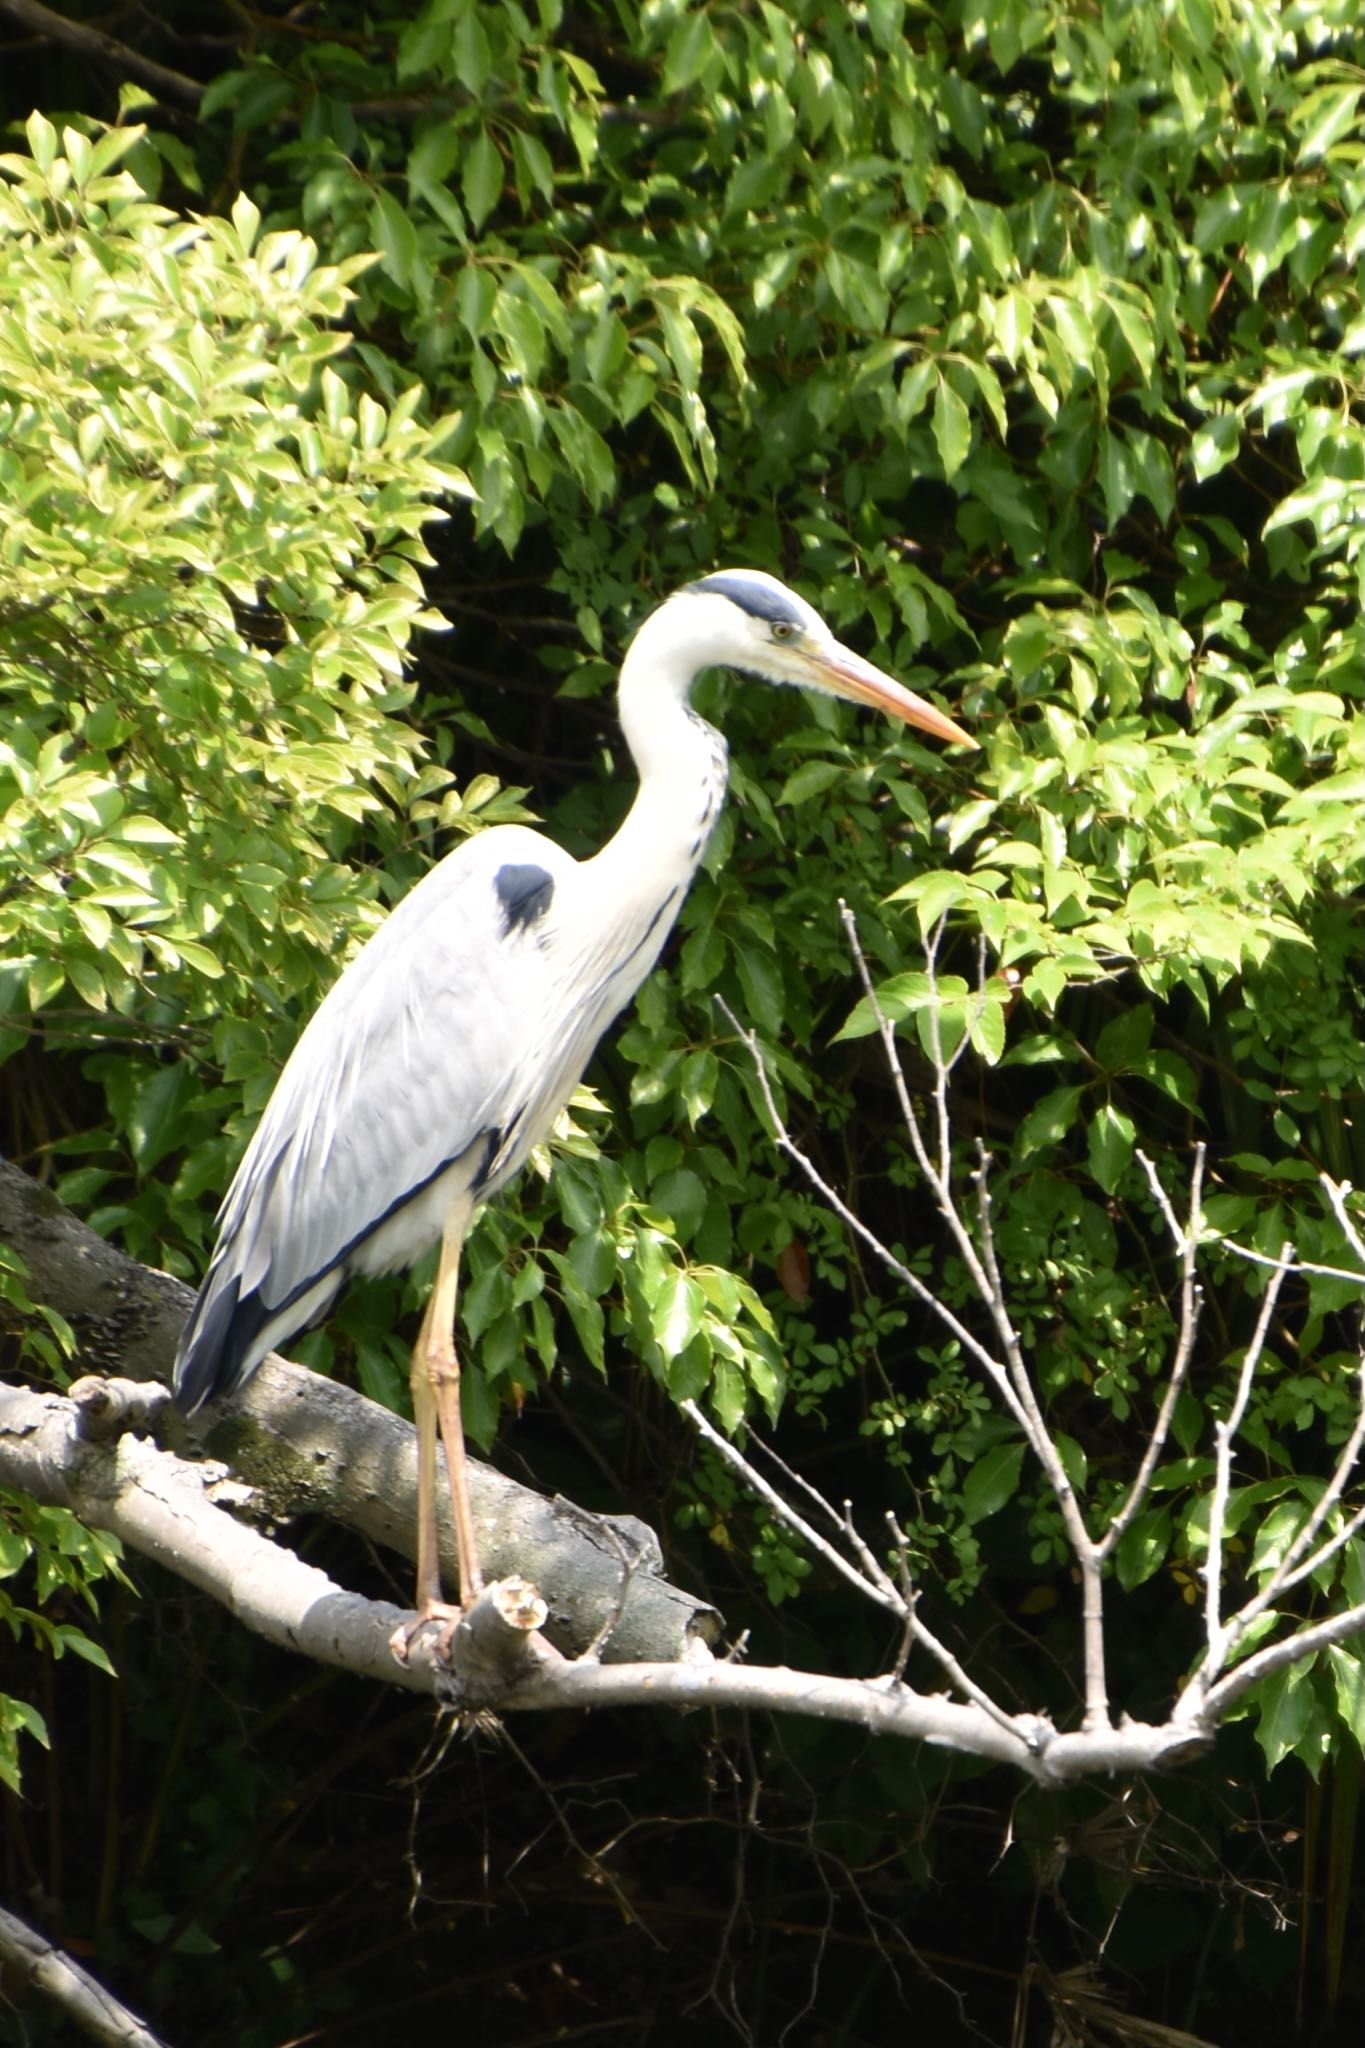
(442, 1367)
(424, 1415)
(436, 1404)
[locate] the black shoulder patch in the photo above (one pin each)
(760, 600)
(525, 892)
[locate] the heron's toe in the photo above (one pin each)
(439, 1611)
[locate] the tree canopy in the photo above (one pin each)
(358, 392)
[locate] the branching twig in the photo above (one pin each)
(872, 1582)
(785, 1142)
(1008, 1372)
(844, 1523)
(882, 1595)
(1299, 1562)
(916, 1632)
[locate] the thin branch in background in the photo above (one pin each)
(631, 1560)
(785, 1143)
(1225, 1434)
(884, 1596)
(843, 1523)
(1191, 1301)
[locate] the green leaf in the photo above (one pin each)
(481, 178)
(811, 779)
(1348, 1686)
(676, 1313)
(1050, 1121)
(1285, 1710)
(157, 1119)
(1216, 444)
(1125, 1039)
(1143, 1547)
(1110, 1144)
(991, 1481)
(761, 979)
(952, 429)
(592, 1255)
(682, 1195)
(395, 237)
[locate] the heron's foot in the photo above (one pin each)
(439, 1611)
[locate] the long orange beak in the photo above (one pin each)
(845, 674)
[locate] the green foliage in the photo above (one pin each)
(68, 1561)
(210, 548)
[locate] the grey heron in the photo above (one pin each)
(446, 1049)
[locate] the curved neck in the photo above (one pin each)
(681, 763)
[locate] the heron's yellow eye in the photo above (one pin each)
(782, 629)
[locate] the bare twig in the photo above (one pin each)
(1245, 1251)
(873, 1582)
(784, 1141)
(1208, 1705)
(843, 1523)
(631, 1560)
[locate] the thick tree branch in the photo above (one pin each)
(168, 1508)
(306, 1445)
(31, 1958)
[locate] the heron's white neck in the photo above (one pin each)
(680, 760)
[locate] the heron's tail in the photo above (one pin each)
(220, 1347)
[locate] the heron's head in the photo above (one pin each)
(747, 620)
